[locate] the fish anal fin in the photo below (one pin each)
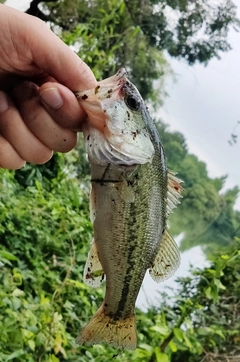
(93, 271)
(174, 190)
(119, 333)
(167, 259)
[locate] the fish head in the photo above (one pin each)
(116, 130)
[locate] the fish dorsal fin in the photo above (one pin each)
(167, 259)
(174, 190)
(93, 271)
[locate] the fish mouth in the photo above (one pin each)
(107, 87)
(111, 88)
(122, 72)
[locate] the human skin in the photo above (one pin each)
(39, 113)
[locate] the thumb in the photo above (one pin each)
(39, 46)
(60, 62)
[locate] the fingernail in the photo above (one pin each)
(52, 97)
(3, 102)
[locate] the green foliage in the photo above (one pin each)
(45, 233)
(133, 33)
(216, 311)
(44, 238)
(201, 321)
(206, 215)
(105, 37)
(44, 220)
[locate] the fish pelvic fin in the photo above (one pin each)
(119, 333)
(174, 190)
(167, 259)
(93, 272)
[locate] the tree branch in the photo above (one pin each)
(35, 11)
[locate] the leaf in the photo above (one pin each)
(44, 300)
(38, 185)
(161, 357)
(203, 331)
(53, 358)
(15, 354)
(189, 323)
(41, 339)
(31, 344)
(187, 341)
(5, 262)
(145, 346)
(225, 257)
(219, 332)
(219, 284)
(173, 346)
(208, 293)
(18, 293)
(89, 354)
(6, 255)
(17, 276)
(179, 334)
(122, 8)
(16, 303)
(160, 329)
(214, 293)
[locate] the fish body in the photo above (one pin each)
(132, 194)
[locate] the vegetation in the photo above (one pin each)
(109, 34)
(45, 234)
(203, 205)
(44, 220)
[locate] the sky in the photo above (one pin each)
(204, 105)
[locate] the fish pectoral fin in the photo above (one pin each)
(119, 333)
(174, 190)
(93, 271)
(167, 259)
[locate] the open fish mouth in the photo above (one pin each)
(107, 87)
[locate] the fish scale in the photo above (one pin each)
(132, 195)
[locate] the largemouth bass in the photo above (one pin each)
(132, 195)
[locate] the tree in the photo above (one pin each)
(45, 229)
(215, 322)
(134, 33)
(205, 216)
(45, 233)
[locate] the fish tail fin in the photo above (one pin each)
(103, 329)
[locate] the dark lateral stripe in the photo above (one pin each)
(132, 240)
(100, 181)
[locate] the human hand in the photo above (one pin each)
(39, 113)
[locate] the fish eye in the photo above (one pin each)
(132, 102)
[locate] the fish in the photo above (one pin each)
(132, 195)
